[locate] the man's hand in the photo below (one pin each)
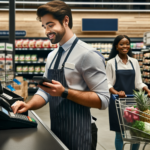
(19, 107)
(121, 94)
(54, 89)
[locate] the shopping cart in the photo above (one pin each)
(129, 118)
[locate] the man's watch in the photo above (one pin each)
(65, 93)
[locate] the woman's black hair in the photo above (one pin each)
(114, 52)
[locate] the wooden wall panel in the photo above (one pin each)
(131, 24)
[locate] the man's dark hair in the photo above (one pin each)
(58, 9)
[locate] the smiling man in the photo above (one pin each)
(78, 79)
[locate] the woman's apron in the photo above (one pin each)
(70, 121)
(125, 81)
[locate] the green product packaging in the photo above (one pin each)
(19, 68)
(31, 68)
(21, 57)
(25, 68)
(28, 57)
(33, 57)
(37, 69)
(42, 68)
(16, 57)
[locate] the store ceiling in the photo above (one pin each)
(85, 4)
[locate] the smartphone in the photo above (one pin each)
(40, 80)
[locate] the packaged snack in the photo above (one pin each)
(19, 68)
(34, 57)
(25, 43)
(16, 57)
(25, 69)
(41, 60)
(147, 55)
(9, 62)
(46, 44)
(32, 44)
(37, 69)
(39, 44)
(2, 62)
(21, 57)
(28, 57)
(42, 68)
(19, 43)
(31, 68)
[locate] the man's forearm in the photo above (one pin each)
(36, 102)
(85, 98)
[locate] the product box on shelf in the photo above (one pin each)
(43, 69)
(16, 57)
(25, 43)
(21, 57)
(37, 69)
(32, 44)
(19, 68)
(28, 57)
(31, 69)
(9, 62)
(39, 43)
(34, 58)
(46, 44)
(2, 62)
(18, 44)
(25, 69)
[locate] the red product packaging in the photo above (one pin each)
(19, 43)
(39, 44)
(25, 43)
(32, 44)
(46, 44)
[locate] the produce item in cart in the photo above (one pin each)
(141, 126)
(143, 105)
(131, 114)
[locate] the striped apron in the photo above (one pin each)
(70, 122)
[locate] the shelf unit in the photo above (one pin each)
(146, 67)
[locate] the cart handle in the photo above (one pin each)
(114, 96)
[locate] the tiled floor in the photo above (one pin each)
(105, 136)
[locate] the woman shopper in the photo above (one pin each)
(124, 76)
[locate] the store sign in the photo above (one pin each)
(95, 25)
(17, 33)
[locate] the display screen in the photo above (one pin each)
(5, 111)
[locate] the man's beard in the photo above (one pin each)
(58, 36)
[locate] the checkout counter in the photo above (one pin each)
(40, 138)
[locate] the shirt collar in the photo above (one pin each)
(118, 59)
(68, 44)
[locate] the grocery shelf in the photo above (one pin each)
(30, 62)
(29, 73)
(34, 49)
(105, 52)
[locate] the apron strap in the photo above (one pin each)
(131, 64)
(53, 59)
(116, 67)
(72, 46)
